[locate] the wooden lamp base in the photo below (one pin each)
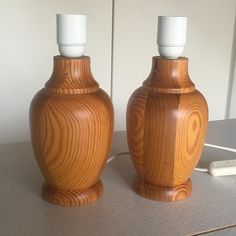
(71, 123)
(72, 197)
(166, 126)
(160, 193)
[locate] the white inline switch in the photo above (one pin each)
(222, 168)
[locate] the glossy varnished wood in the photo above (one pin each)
(72, 197)
(166, 126)
(163, 193)
(71, 122)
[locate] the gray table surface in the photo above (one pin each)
(120, 211)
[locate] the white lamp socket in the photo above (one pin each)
(171, 36)
(71, 34)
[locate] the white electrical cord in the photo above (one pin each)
(220, 147)
(214, 146)
(201, 169)
(220, 168)
(216, 168)
(117, 155)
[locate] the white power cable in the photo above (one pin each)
(220, 147)
(220, 168)
(201, 169)
(216, 168)
(117, 155)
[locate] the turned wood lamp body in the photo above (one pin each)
(71, 122)
(166, 126)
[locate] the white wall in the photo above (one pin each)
(231, 101)
(28, 43)
(232, 111)
(27, 46)
(209, 44)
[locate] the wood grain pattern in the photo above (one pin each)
(72, 197)
(170, 194)
(71, 122)
(166, 127)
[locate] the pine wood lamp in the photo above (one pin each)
(71, 122)
(167, 120)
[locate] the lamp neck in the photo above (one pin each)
(72, 76)
(169, 76)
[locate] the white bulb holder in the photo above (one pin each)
(71, 34)
(171, 36)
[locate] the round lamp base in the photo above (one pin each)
(72, 197)
(161, 193)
